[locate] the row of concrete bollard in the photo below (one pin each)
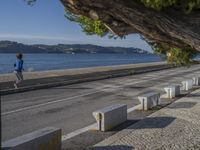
(107, 118)
(174, 90)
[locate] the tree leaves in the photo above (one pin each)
(30, 2)
(185, 5)
(174, 55)
(89, 26)
(158, 4)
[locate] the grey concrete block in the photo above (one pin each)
(109, 117)
(187, 84)
(196, 80)
(149, 100)
(44, 139)
(172, 90)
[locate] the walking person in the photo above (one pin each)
(18, 68)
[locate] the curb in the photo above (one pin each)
(86, 79)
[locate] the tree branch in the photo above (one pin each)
(170, 26)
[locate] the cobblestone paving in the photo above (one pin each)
(176, 127)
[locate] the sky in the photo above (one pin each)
(44, 23)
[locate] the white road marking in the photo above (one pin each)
(133, 108)
(79, 131)
(43, 104)
(61, 100)
(90, 127)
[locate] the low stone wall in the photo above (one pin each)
(57, 73)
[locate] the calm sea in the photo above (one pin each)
(36, 62)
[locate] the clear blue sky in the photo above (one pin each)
(44, 23)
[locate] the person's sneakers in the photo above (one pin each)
(15, 85)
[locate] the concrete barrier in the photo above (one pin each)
(196, 80)
(172, 91)
(149, 100)
(187, 84)
(44, 139)
(109, 117)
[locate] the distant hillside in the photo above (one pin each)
(14, 47)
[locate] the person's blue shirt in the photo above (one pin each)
(19, 65)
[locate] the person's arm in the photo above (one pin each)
(17, 65)
(22, 65)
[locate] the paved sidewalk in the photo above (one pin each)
(175, 127)
(77, 71)
(47, 79)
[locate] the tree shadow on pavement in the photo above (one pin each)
(153, 122)
(124, 125)
(194, 95)
(178, 105)
(149, 122)
(114, 147)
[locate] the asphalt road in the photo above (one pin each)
(70, 107)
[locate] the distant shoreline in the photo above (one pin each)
(14, 47)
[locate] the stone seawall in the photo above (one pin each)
(57, 73)
(47, 79)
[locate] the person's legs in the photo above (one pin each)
(16, 79)
(19, 78)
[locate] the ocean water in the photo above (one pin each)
(38, 62)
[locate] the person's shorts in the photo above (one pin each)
(19, 75)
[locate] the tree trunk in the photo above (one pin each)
(170, 26)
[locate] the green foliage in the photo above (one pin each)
(88, 25)
(181, 57)
(158, 4)
(159, 50)
(91, 27)
(30, 2)
(176, 56)
(185, 5)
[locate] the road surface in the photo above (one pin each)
(70, 107)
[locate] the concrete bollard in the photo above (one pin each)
(196, 80)
(109, 117)
(187, 85)
(149, 100)
(172, 91)
(44, 139)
